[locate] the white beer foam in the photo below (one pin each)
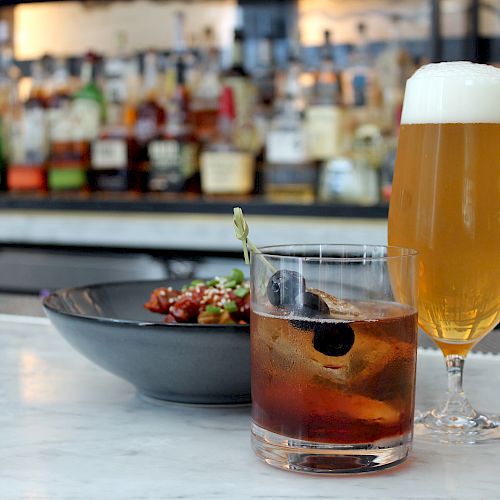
(453, 92)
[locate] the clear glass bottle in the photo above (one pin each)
(265, 73)
(361, 92)
(327, 88)
(238, 78)
(226, 167)
(393, 66)
(28, 170)
(289, 173)
(324, 113)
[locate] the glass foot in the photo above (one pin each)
(327, 458)
(456, 429)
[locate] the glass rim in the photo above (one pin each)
(272, 251)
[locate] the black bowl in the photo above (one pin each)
(185, 363)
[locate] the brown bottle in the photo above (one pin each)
(150, 116)
(173, 157)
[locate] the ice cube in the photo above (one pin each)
(338, 308)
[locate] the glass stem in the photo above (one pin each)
(455, 369)
(456, 406)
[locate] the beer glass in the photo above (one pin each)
(446, 204)
(333, 356)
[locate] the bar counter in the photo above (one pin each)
(70, 430)
(180, 222)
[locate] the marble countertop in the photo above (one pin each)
(69, 430)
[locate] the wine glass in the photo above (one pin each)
(446, 204)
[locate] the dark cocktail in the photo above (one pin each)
(333, 357)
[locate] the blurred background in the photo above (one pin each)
(130, 129)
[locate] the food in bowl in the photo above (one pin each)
(223, 301)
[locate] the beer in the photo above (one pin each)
(446, 199)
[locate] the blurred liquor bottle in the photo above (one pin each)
(114, 155)
(29, 140)
(116, 70)
(289, 173)
(173, 157)
(393, 66)
(362, 96)
(150, 116)
(243, 92)
(115, 158)
(226, 167)
(265, 82)
(11, 115)
(66, 170)
(206, 92)
(324, 114)
(88, 111)
(179, 48)
(289, 82)
(351, 173)
(6, 91)
(265, 72)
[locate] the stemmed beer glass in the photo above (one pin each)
(446, 204)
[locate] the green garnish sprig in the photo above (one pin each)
(241, 231)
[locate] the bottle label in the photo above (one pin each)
(35, 139)
(324, 131)
(109, 153)
(286, 146)
(85, 119)
(60, 124)
(227, 172)
(167, 155)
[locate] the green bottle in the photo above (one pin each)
(87, 115)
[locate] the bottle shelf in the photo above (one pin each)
(184, 203)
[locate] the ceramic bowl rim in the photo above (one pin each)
(46, 303)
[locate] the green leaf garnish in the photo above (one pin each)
(242, 292)
(184, 288)
(236, 275)
(212, 282)
(231, 306)
(230, 284)
(213, 309)
(197, 282)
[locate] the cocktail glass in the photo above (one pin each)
(333, 342)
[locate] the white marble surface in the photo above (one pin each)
(180, 231)
(69, 430)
